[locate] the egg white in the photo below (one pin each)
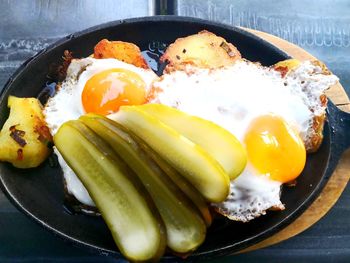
(232, 97)
(67, 105)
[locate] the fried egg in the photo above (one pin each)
(271, 115)
(99, 86)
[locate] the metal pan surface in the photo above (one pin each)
(39, 192)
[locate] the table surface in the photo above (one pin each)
(322, 29)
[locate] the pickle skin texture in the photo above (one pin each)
(189, 159)
(218, 142)
(133, 224)
(188, 189)
(184, 226)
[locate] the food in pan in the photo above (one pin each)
(220, 143)
(123, 51)
(87, 89)
(195, 164)
(185, 218)
(185, 222)
(204, 50)
(99, 86)
(214, 130)
(317, 103)
(272, 115)
(25, 139)
(134, 223)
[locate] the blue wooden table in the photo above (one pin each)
(320, 27)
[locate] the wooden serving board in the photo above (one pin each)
(340, 177)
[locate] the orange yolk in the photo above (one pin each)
(275, 149)
(106, 91)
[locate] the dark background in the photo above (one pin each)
(321, 27)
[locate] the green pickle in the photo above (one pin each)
(184, 225)
(218, 142)
(188, 189)
(189, 159)
(123, 202)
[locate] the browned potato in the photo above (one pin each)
(123, 51)
(204, 49)
(25, 138)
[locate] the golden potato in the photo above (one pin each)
(25, 138)
(205, 50)
(123, 51)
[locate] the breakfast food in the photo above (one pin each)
(204, 50)
(195, 164)
(134, 223)
(123, 51)
(185, 228)
(318, 100)
(87, 87)
(99, 86)
(187, 84)
(218, 142)
(154, 153)
(25, 139)
(246, 98)
(186, 187)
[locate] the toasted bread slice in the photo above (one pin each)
(205, 50)
(124, 51)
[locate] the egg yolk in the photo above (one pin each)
(275, 149)
(106, 91)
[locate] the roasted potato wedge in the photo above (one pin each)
(205, 50)
(25, 138)
(123, 51)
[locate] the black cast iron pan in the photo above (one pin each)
(39, 192)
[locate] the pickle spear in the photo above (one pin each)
(189, 159)
(187, 188)
(135, 227)
(184, 226)
(218, 142)
(152, 159)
